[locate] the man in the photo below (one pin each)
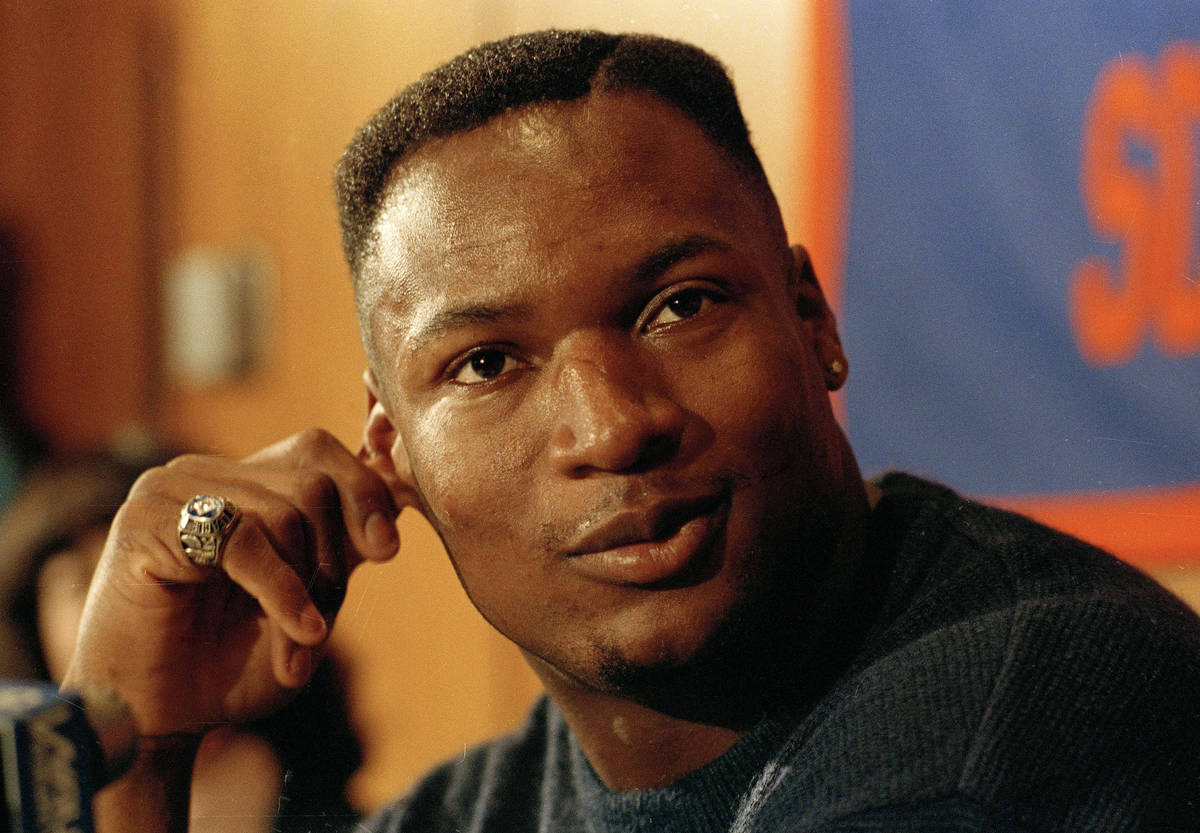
(599, 371)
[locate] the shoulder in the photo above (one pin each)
(501, 785)
(1017, 668)
(961, 561)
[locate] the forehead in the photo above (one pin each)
(537, 190)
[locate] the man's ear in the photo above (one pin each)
(383, 450)
(818, 318)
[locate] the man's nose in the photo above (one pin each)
(612, 417)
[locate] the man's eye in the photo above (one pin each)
(687, 303)
(483, 365)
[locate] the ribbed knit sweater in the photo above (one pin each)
(1012, 679)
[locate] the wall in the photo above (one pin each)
(74, 193)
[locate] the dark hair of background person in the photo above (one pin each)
(57, 503)
(552, 65)
(20, 446)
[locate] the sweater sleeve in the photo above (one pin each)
(1094, 720)
(1017, 680)
(949, 815)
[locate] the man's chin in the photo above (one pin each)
(699, 690)
(649, 683)
(697, 682)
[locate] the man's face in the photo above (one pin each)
(587, 342)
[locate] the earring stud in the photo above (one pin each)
(836, 367)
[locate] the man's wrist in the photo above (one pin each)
(155, 793)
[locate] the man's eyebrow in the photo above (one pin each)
(646, 271)
(662, 259)
(447, 321)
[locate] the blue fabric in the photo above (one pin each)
(966, 222)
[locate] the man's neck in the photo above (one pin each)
(633, 747)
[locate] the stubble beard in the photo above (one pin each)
(756, 659)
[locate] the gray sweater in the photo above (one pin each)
(1012, 679)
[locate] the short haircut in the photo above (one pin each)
(503, 75)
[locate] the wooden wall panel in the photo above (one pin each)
(71, 188)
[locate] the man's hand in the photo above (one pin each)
(190, 647)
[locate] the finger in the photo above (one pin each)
(294, 504)
(368, 511)
(291, 663)
(305, 524)
(299, 510)
(252, 561)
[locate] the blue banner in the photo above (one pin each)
(1021, 297)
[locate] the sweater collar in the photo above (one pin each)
(704, 800)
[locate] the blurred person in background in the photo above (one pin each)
(286, 772)
(19, 445)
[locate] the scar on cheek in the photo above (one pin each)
(620, 728)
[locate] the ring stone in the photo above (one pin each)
(204, 523)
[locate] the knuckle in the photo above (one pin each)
(185, 462)
(287, 525)
(136, 546)
(155, 480)
(126, 534)
(362, 483)
(314, 441)
(315, 489)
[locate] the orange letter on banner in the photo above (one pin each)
(1109, 316)
(1151, 213)
(1178, 320)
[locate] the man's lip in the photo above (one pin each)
(654, 522)
(650, 544)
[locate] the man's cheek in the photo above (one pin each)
(465, 496)
(447, 467)
(448, 503)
